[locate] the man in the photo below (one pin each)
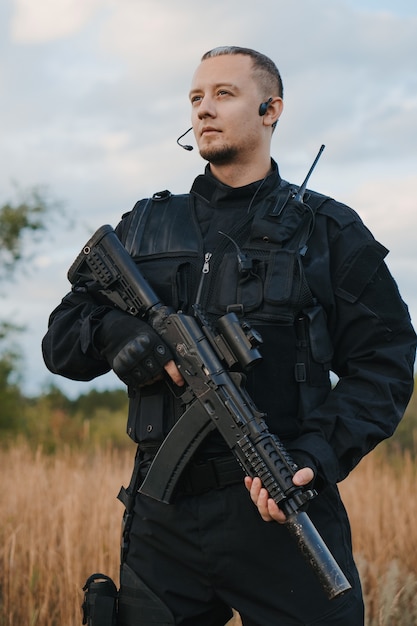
(316, 287)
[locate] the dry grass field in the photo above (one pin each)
(60, 521)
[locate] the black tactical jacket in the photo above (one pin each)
(311, 279)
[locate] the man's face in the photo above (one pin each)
(225, 100)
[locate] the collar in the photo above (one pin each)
(217, 194)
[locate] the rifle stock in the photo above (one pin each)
(214, 395)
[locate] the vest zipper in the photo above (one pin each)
(238, 235)
(204, 271)
(204, 285)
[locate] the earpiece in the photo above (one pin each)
(264, 107)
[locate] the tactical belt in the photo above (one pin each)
(212, 473)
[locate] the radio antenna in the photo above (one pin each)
(300, 193)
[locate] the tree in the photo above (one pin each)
(10, 396)
(20, 222)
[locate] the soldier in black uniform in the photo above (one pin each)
(316, 287)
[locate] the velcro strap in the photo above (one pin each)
(361, 271)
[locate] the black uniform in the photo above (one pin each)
(315, 285)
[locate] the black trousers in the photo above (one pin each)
(207, 553)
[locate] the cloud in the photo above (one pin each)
(388, 7)
(94, 95)
(389, 208)
(47, 20)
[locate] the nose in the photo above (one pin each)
(206, 108)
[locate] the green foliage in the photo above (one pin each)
(90, 402)
(53, 421)
(26, 216)
(98, 418)
(10, 354)
(11, 400)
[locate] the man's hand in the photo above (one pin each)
(174, 373)
(133, 349)
(268, 509)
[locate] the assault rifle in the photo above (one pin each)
(210, 361)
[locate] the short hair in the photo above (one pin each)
(267, 72)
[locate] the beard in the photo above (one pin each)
(219, 155)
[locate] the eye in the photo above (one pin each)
(195, 99)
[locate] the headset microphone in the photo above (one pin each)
(186, 147)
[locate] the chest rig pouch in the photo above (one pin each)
(265, 278)
(261, 276)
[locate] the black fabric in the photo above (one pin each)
(360, 271)
(211, 473)
(138, 605)
(213, 550)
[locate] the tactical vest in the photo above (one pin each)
(256, 271)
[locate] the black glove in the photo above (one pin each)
(132, 348)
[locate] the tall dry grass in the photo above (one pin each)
(60, 521)
(381, 501)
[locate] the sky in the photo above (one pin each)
(94, 93)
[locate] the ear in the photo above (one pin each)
(273, 112)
